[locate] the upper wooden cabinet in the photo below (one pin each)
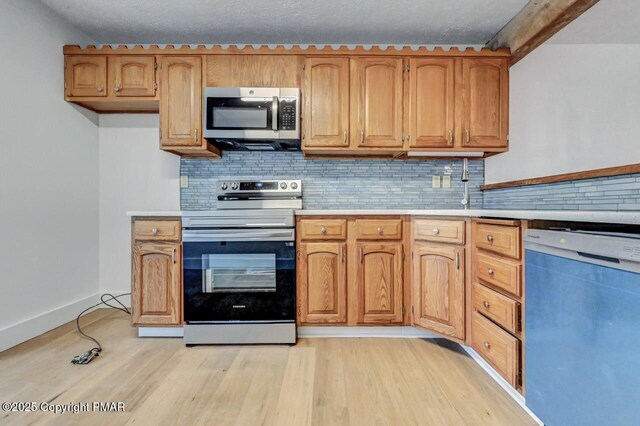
(485, 103)
(438, 288)
(132, 75)
(379, 283)
(86, 76)
(376, 103)
(322, 283)
(325, 120)
(253, 71)
(431, 103)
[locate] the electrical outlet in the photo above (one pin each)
(184, 181)
(435, 181)
(446, 181)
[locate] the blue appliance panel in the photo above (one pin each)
(582, 342)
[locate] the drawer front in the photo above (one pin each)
(500, 273)
(495, 306)
(379, 229)
(499, 239)
(498, 347)
(157, 230)
(444, 231)
(323, 229)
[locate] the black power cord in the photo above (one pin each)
(86, 357)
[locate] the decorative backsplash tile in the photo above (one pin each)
(607, 193)
(336, 184)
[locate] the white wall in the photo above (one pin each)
(572, 108)
(134, 175)
(48, 178)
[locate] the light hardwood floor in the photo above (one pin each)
(318, 381)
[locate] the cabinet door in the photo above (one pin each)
(379, 283)
(431, 97)
(157, 290)
(133, 75)
(326, 102)
(376, 102)
(86, 75)
(322, 283)
(180, 101)
(485, 102)
(438, 288)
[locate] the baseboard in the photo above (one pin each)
(388, 332)
(28, 329)
(502, 382)
(160, 332)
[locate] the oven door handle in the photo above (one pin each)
(238, 235)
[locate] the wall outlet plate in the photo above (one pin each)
(435, 181)
(446, 181)
(184, 181)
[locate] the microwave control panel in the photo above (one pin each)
(287, 114)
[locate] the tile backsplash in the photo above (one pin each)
(336, 184)
(607, 193)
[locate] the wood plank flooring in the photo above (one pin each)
(317, 382)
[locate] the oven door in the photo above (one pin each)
(239, 275)
(243, 113)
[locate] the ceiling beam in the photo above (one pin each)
(536, 23)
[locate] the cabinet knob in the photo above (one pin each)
(154, 231)
(380, 230)
(486, 304)
(323, 230)
(490, 238)
(486, 345)
(99, 89)
(435, 231)
(116, 89)
(490, 271)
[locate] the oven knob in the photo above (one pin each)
(283, 185)
(294, 186)
(234, 186)
(224, 186)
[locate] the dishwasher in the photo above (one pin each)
(582, 327)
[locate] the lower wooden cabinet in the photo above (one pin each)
(379, 283)
(156, 283)
(438, 288)
(322, 283)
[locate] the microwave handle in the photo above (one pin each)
(274, 114)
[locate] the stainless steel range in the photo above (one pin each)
(239, 265)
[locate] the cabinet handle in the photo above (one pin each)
(154, 231)
(435, 231)
(457, 260)
(361, 136)
(468, 137)
(344, 137)
(174, 256)
(450, 139)
(323, 230)
(298, 254)
(490, 271)
(486, 304)
(490, 238)
(361, 255)
(486, 345)
(99, 89)
(342, 254)
(116, 89)
(380, 231)
(196, 133)
(299, 313)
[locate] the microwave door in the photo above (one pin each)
(247, 118)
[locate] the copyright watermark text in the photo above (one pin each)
(71, 407)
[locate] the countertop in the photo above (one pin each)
(630, 218)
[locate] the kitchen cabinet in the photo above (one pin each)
(325, 121)
(379, 283)
(431, 103)
(376, 103)
(156, 272)
(322, 283)
(181, 107)
(86, 76)
(132, 76)
(439, 288)
(485, 102)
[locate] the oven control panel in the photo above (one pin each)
(266, 186)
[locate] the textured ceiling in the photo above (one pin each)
(407, 22)
(609, 21)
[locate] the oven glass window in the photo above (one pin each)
(239, 118)
(248, 272)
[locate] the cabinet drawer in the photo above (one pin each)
(498, 347)
(157, 230)
(445, 231)
(379, 229)
(500, 273)
(323, 229)
(499, 239)
(493, 305)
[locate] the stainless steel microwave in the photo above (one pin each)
(259, 118)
